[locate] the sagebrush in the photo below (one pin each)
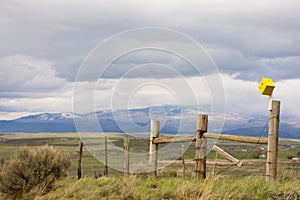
(33, 170)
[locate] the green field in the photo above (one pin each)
(225, 181)
(68, 142)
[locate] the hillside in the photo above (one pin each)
(174, 119)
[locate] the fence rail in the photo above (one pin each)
(191, 138)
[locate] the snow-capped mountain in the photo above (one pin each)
(174, 119)
(50, 117)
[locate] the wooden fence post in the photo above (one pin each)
(106, 159)
(271, 165)
(183, 161)
(126, 157)
(153, 150)
(79, 168)
(2, 161)
(201, 142)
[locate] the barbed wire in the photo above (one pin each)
(249, 152)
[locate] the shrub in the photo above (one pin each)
(33, 170)
(256, 153)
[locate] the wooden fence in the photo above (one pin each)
(200, 140)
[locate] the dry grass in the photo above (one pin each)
(172, 188)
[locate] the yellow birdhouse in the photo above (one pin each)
(266, 86)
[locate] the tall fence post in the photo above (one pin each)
(126, 157)
(201, 142)
(271, 165)
(106, 159)
(183, 161)
(79, 168)
(2, 161)
(153, 150)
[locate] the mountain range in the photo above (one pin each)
(173, 119)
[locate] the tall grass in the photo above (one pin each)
(134, 187)
(169, 187)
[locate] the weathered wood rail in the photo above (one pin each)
(191, 138)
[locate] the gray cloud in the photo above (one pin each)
(253, 68)
(149, 64)
(25, 74)
(65, 33)
(43, 43)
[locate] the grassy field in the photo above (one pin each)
(225, 181)
(68, 142)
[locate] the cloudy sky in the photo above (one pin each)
(44, 45)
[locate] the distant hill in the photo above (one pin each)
(174, 119)
(46, 122)
(285, 131)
